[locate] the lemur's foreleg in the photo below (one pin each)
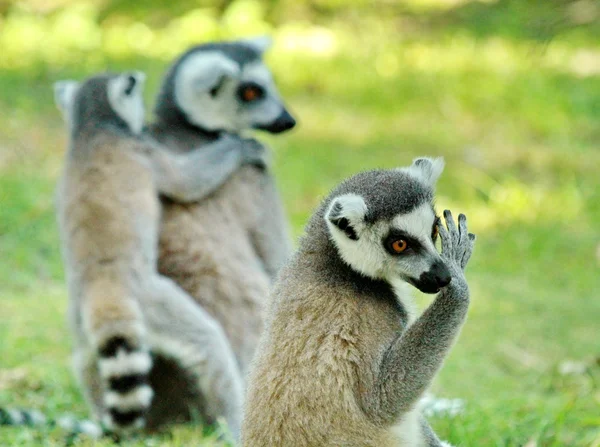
(411, 362)
(193, 175)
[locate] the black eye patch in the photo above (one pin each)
(413, 244)
(250, 91)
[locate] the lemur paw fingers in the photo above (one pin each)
(457, 242)
(452, 229)
(255, 153)
(446, 234)
(462, 229)
(469, 250)
(127, 397)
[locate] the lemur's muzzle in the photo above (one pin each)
(284, 122)
(434, 279)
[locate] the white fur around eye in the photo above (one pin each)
(367, 254)
(418, 223)
(267, 110)
(130, 107)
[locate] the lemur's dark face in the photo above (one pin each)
(391, 238)
(227, 86)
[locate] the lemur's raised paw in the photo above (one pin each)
(255, 153)
(124, 369)
(457, 244)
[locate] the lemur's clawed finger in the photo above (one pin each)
(462, 228)
(445, 237)
(469, 250)
(452, 230)
(462, 242)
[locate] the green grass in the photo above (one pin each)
(515, 114)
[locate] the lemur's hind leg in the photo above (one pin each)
(115, 345)
(180, 330)
(85, 367)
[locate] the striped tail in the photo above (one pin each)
(114, 326)
(125, 368)
(35, 418)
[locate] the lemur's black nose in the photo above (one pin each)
(441, 274)
(284, 122)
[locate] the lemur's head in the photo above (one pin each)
(114, 99)
(224, 86)
(384, 225)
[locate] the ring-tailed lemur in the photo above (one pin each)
(342, 361)
(127, 320)
(225, 249)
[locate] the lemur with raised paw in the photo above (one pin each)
(342, 360)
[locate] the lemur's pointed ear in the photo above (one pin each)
(206, 70)
(347, 213)
(131, 81)
(125, 97)
(259, 43)
(64, 94)
(427, 169)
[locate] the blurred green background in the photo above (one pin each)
(508, 91)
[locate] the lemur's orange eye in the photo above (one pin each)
(399, 245)
(250, 94)
(250, 91)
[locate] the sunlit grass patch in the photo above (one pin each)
(511, 105)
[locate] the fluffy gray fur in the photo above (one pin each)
(340, 361)
(174, 130)
(224, 249)
(130, 323)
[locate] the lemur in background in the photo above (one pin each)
(122, 312)
(342, 361)
(226, 249)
